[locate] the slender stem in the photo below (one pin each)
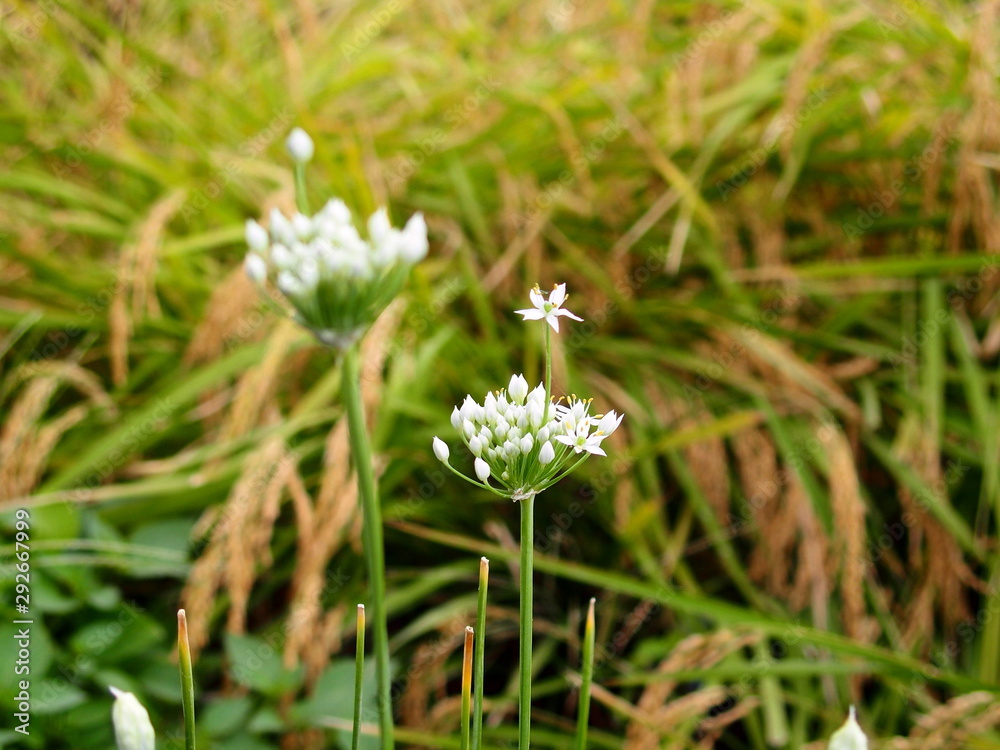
(583, 716)
(372, 534)
(467, 685)
(301, 197)
(548, 371)
(527, 564)
(359, 673)
(478, 669)
(187, 679)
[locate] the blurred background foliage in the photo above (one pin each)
(780, 221)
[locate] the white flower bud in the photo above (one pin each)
(132, 728)
(527, 443)
(518, 388)
(337, 211)
(476, 446)
(256, 267)
(547, 454)
(441, 450)
(300, 146)
(413, 240)
(302, 226)
(256, 235)
(543, 434)
(282, 257)
(379, 228)
(456, 418)
(849, 736)
(469, 429)
(482, 470)
(281, 228)
(535, 414)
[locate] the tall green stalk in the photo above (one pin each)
(527, 564)
(372, 534)
(470, 639)
(187, 679)
(359, 677)
(479, 657)
(587, 677)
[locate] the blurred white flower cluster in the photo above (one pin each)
(337, 281)
(520, 444)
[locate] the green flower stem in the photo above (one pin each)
(301, 197)
(359, 674)
(587, 678)
(478, 658)
(187, 679)
(372, 534)
(467, 685)
(527, 564)
(548, 371)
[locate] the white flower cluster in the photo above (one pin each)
(524, 443)
(337, 281)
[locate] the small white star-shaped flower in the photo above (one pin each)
(549, 309)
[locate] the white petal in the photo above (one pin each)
(566, 440)
(566, 313)
(536, 298)
(553, 320)
(593, 448)
(558, 295)
(531, 314)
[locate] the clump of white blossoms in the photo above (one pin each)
(521, 440)
(337, 281)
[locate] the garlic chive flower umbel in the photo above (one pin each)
(519, 451)
(521, 440)
(336, 280)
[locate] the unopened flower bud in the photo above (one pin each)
(132, 728)
(482, 470)
(441, 450)
(300, 146)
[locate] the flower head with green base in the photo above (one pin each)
(522, 442)
(337, 281)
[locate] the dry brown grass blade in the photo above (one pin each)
(239, 548)
(849, 533)
(655, 709)
(27, 439)
(135, 292)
